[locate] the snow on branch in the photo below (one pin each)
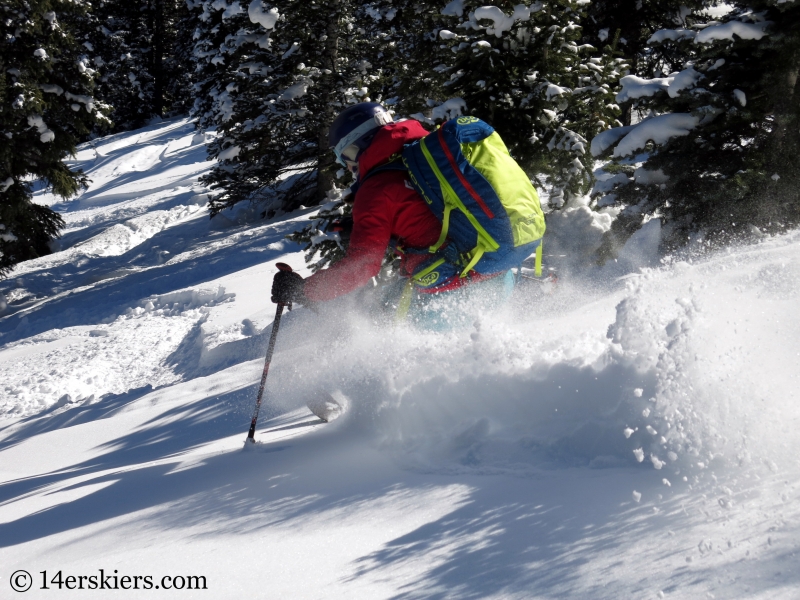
(673, 35)
(454, 8)
(296, 90)
(637, 87)
(232, 10)
(87, 101)
(569, 141)
(229, 153)
(659, 129)
(450, 109)
(604, 140)
(46, 135)
(257, 15)
(502, 23)
(552, 90)
(722, 31)
(6, 236)
(726, 31)
(51, 88)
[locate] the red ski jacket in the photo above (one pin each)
(386, 207)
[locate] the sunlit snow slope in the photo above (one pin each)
(632, 433)
(140, 267)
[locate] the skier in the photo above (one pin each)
(387, 210)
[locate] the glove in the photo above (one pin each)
(288, 287)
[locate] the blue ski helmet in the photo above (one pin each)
(356, 125)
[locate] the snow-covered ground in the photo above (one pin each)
(635, 433)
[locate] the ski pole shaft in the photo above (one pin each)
(270, 349)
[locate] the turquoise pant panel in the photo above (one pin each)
(459, 308)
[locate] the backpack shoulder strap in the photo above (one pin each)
(394, 164)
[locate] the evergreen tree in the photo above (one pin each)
(141, 63)
(401, 45)
(215, 44)
(288, 74)
(412, 61)
(719, 153)
(630, 23)
(46, 106)
(326, 238)
(526, 75)
(179, 67)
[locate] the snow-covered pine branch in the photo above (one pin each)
(713, 152)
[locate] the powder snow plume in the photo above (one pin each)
(686, 369)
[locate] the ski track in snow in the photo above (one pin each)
(634, 432)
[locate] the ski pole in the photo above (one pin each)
(270, 349)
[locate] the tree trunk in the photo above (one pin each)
(158, 57)
(328, 83)
(783, 105)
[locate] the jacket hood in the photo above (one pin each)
(389, 140)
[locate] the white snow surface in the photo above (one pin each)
(632, 432)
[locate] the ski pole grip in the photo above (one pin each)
(283, 267)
